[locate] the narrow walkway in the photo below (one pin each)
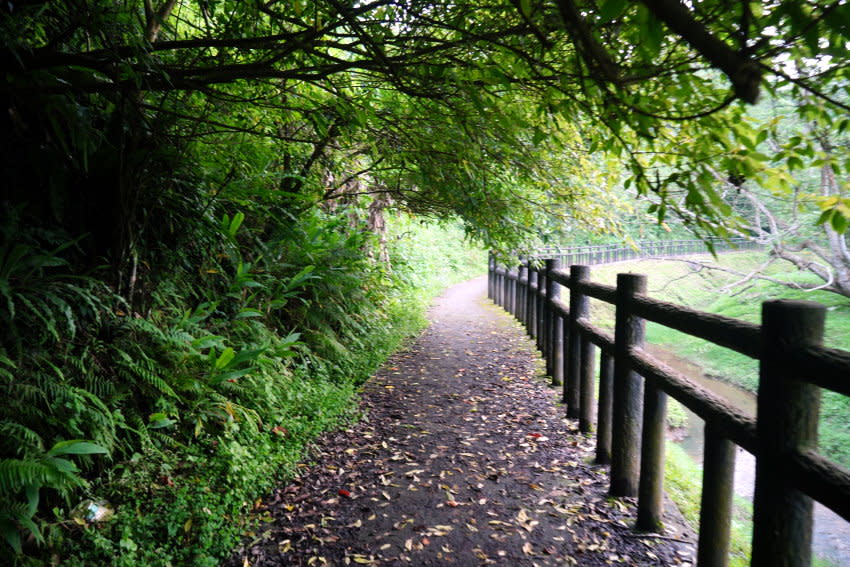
(463, 458)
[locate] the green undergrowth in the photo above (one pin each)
(173, 420)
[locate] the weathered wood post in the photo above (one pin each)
(491, 275)
(579, 308)
(531, 301)
(503, 281)
(515, 291)
(510, 278)
(629, 331)
(587, 388)
(555, 362)
(522, 293)
(603, 415)
(548, 317)
(651, 490)
(718, 492)
(497, 283)
(541, 310)
(788, 411)
(506, 296)
(518, 291)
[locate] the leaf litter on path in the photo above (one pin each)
(463, 458)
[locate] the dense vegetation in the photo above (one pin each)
(177, 420)
(195, 268)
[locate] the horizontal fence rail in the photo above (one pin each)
(630, 413)
(591, 254)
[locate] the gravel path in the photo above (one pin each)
(462, 458)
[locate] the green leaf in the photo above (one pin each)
(839, 222)
(10, 532)
(651, 33)
(207, 341)
(63, 465)
(247, 312)
(838, 20)
(232, 375)
(794, 163)
(159, 420)
(611, 9)
(224, 358)
(825, 216)
(77, 447)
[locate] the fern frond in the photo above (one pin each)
(18, 474)
(41, 311)
(64, 309)
(19, 439)
(131, 369)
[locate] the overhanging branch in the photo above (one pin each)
(738, 66)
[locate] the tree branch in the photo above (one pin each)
(740, 68)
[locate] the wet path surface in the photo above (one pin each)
(463, 458)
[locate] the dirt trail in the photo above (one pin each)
(463, 458)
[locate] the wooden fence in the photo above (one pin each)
(630, 412)
(590, 254)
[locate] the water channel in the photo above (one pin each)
(831, 538)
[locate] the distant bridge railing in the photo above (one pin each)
(630, 414)
(590, 254)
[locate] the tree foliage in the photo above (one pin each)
(639, 80)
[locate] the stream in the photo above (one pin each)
(831, 538)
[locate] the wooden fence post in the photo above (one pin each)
(522, 291)
(511, 291)
(587, 388)
(603, 415)
(556, 325)
(788, 411)
(491, 275)
(718, 492)
(548, 316)
(501, 286)
(531, 301)
(651, 490)
(518, 290)
(579, 307)
(541, 310)
(629, 332)
(506, 293)
(495, 284)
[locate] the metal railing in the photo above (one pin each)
(590, 254)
